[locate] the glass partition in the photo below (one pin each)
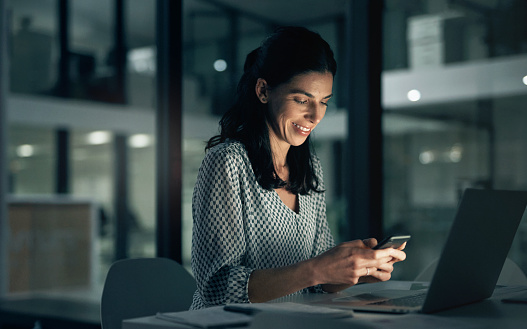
(107, 100)
(453, 115)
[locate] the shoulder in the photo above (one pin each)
(317, 166)
(317, 171)
(231, 153)
(232, 149)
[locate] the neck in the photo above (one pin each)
(279, 151)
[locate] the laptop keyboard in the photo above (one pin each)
(406, 301)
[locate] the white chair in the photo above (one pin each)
(511, 274)
(142, 287)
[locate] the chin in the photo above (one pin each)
(298, 143)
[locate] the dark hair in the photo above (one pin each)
(286, 53)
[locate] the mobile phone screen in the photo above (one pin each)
(394, 241)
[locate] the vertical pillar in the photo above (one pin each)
(121, 209)
(364, 60)
(62, 174)
(63, 77)
(120, 53)
(485, 120)
(341, 83)
(4, 66)
(169, 128)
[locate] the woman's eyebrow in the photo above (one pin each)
(300, 91)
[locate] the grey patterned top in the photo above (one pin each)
(240, 227)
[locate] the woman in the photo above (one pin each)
(260, 229)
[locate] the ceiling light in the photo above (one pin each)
(525, 80)
(142, 60)
(456, 153)
(25, 151)
(427, 157)
(220, 65)
(139, 141)
(98, 137)
(414, 95)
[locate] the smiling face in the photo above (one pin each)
(296, 106)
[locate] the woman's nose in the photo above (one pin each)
(316, 113)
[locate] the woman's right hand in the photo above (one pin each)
(354, 261)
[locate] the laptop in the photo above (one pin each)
(470, 263)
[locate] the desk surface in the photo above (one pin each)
(491, 313)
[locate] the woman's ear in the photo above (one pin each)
(262, 90)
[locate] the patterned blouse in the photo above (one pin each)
(240, 227)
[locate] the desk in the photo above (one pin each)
(490, 313)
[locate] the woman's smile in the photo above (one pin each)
(304, 131)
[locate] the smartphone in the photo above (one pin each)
(394, 241)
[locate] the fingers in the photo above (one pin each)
(396, 254)
(354, 261)
(380, 275)
(377, 274)
(358, 255)
(386, 267)
(371, 242)
(354, 244)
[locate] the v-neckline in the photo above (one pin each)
(299, 200)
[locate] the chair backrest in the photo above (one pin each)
(511, 274)
(142, 287)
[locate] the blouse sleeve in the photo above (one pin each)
(323, 238)
(218, 239)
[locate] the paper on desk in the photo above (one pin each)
(208, 318)
(290, 308)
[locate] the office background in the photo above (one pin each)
(444, 89)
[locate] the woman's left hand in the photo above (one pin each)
(384, 271)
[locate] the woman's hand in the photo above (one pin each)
(388, 267)
(338, 268)
(352, 262)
